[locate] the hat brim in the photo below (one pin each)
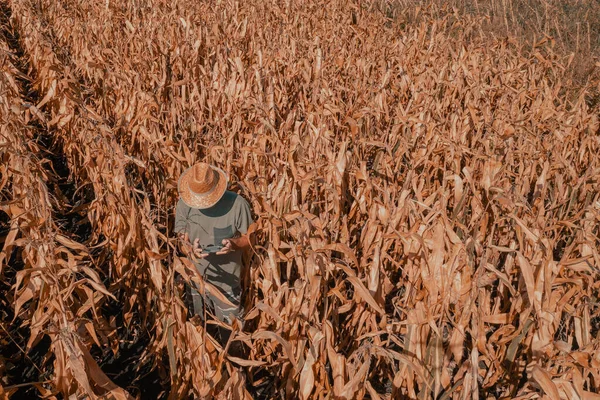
(204, 200)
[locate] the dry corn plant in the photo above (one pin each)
(426, 201)
(56, 290)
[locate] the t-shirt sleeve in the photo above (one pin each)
(244, 216)
(181, 216)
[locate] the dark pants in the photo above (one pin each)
(196, 307)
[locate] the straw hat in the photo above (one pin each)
(202, 185)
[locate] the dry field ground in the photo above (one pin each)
(426, 190)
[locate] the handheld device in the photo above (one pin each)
(212, 249)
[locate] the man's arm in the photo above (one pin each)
(183, 244)
(183, 239)
(240, 243)
(188, 249)
(243, 222)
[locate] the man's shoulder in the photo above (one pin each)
(181, 204)
(230, 195)
(233, 197)
(239, 200)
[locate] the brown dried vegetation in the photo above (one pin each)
(427, 206)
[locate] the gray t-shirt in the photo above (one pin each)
(231, 215)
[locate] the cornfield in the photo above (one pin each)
(427, 203)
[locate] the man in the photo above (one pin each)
(208, 214)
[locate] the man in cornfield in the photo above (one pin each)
(212, 224)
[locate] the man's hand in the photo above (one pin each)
(198, 249)
(233, 244)
(188, 249)
(227, 248)
(185, 247)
